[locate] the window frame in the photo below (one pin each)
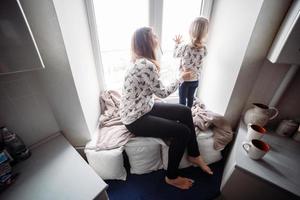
(155, 21)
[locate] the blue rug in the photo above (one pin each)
(153, 187)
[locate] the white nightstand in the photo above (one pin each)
(55, 171)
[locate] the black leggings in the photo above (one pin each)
(169, 121)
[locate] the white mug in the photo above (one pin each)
(255, 132)
(256, 149)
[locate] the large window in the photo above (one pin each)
(176, 18)
(116, 20)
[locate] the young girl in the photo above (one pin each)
(191, 58)
(144, 118)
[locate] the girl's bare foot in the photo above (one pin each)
(180, 182)
(200, 162)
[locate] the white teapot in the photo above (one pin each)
(260, 114)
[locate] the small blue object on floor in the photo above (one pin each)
(153, 187)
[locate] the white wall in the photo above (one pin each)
(63, 96)
(77, 40)
(264, 88)
(39, 103)
(231, 26)
(24, 108)
(267, 25)
(68, 80)
(267, 83)
(288, 105)
(240, 37)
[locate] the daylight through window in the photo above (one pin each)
(117, 20)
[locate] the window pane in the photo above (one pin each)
(177, 17)
(116, 22)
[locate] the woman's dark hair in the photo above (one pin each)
(143, 44)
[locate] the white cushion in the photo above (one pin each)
(204, 134)
(108, 164)
(144, 154)
(206, 147)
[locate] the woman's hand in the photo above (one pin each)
(186, 75)
(178, 39)
(187, 69)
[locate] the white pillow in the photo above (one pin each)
(206, 147)
(144, 154)
(108, 164)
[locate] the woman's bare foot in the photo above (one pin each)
(200, 162)
(180, 182)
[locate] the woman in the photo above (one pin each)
(144, 118)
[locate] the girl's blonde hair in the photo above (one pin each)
(143, 44)
(198, 31)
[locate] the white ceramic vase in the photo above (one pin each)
(260, 114)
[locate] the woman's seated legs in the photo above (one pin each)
(183, 114)
(171, 121)
(152, 126)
